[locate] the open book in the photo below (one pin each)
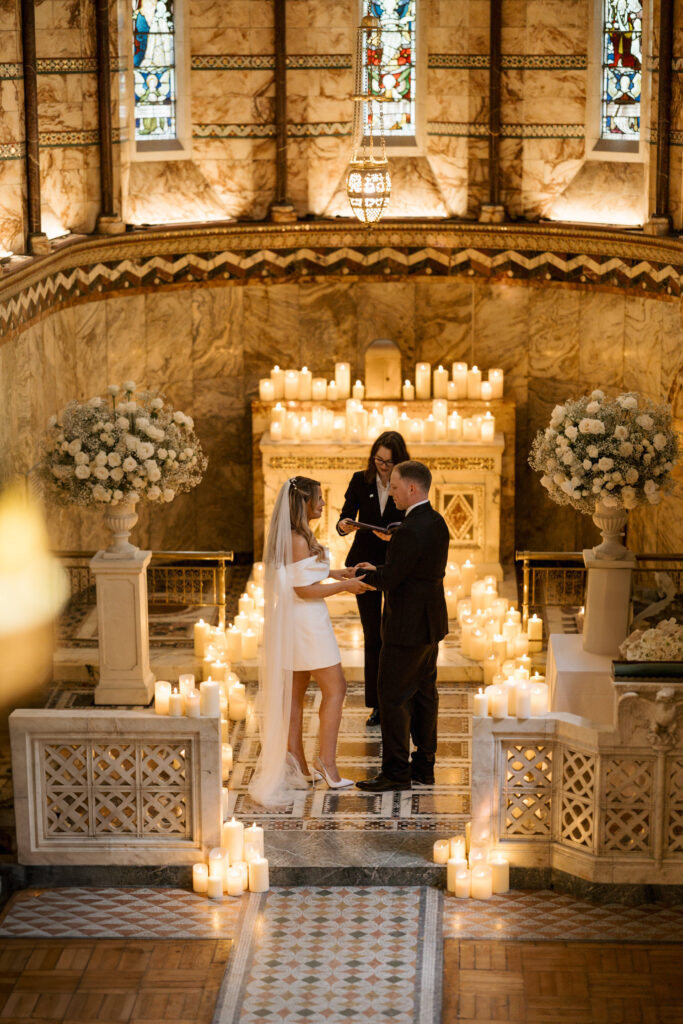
(368, 526)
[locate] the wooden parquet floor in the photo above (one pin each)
(562, 983)
(110, 981)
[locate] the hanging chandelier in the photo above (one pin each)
(368, 182)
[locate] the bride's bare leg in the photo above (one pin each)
(295, 742)
(333, 688)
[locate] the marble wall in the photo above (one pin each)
(547, 85)
(206, 347)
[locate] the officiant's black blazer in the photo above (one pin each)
(361, 502)
(412, 580)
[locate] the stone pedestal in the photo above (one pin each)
(125, 674)
(580, 683)
(608, 598)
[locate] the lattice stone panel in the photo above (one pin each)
(527, 789)
(578, 805)
(674, 805)
(628, 799)
(134, 788)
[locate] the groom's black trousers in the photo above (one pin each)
(408, 706)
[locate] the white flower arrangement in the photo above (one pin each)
(615, 451)
(662, 643)
(109, 452)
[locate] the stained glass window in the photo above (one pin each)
(154, 70)
(622, 57)
(390, 68)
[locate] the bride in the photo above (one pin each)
(298, 642)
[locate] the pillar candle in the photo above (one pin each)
(244, 869)
(440, 378)
(192, 704)
(416, 431)
(442, 851)
(234, 882)
(498, 702)
(200, 877)
(454, 428)
(225, 803)
(468, 574)
(453, 866)
(232, 839)
(254, 835)
(534, 628)
(496, 378)
(332, 391)
(237, 702)
(278, 378)
(305, 389)
(277, 414)
(491, 665)
(245, 603)
(458, 847)
(500, 872)
(234, 643)
(477, 855)
(202, 631)
(249, 645)
(291, 384)
(208, 661)
(358, 390)
(539, 699)
(408, 391)
(451, 391)
(430, 428)
(226, 760)
(342, 378)
(275, 431)
(217, 861)
(305, 431)
(463, 884)
(162, 693)
(210, 698)
(523, 700)
(482, 882)
(474, 382)
(477, 645)
(486, 391)
(459, 373)
(488, 428)
(481, 704)
(186, 683)
(440, 410)
(470, 431)
(422, 380)
(266, 389)
(451, 595)
(258, 875)
(214, 887)
(291, 425)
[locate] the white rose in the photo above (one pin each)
(122, 423)
(116, 473)
(587, 464)
(627, 402)
(593, 407)
(129, 385)
(82, 472)
(153, 493)
(171, 454)
(647, 458)
(142, 422)
(593, 451)
(668, 466)
(571, 432)
(114, 459)
(117, 496)
(113, 389)
(131, 442)
(139, 482)
(650, 487)
(155, 433)
(585, 426)
(74, 446)
(598, 395)
(557, 415)
(162, 454)
(654, 498)
(645, 421)
(157, 403)
(101, 459)
(101, 472)
(179, 417)
(130, 464)
(629, 498)
(568, 458)
(100, 493)
(610, 500)
(659, 441)
(153, 471)
(189, 422)
(64, 447)
(133, 496)
(621, 433)
(169, 494)
(559, 479)
(605, 463)
(617, 477)
(95, 402)
(632, 475)
(81, 459)
(145, 450)
(189, 452)
(626, 448)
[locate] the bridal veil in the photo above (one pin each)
(270, 785)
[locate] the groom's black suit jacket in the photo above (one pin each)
(412, 579)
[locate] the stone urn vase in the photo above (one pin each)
(120, 519)
(612, 524)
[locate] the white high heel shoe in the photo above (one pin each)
(342, 784)
(298, 774)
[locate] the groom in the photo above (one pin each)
(414, 621)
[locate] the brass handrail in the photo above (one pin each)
(575, 563)
(164, 557)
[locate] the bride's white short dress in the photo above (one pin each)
(315, 645)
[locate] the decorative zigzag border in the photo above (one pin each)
(295, 254)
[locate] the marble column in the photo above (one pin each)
(108, 222)
(123, 632)
(608, 600)
(660, 221)
(282, 210)
(38, 244)
(493, 212)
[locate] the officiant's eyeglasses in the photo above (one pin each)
(383, 462)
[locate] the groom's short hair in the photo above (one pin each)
(416, 472)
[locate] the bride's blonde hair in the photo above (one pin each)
(301, 490)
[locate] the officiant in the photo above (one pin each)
(367, 500)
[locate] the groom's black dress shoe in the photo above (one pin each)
(381, 784)
(373, 717)
(424, 778)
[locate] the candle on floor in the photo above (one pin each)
(463, 884)
(237, 702)
(210, 698)
(440, 379)
(478, 645)
(186, 683)
(422, 380)
(458, 847)
(234, 643)
(244, 868)
(217, 861)
(491, 665)
(521, 645)
(453, 866)
(232, 839)
(202, 631)
(193, 704)
(442, 851)
(249, 645)
(408, 391)
(266, 389)
(534, 628)
(200, 876)
(477, 855)
(258, 875)
(234, 882)
(482, 882)
(481, 704)
(500, 872)
(214, 887)
(162, 693)
(254, 835)
(523, 700)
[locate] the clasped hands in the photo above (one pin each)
(356, 584)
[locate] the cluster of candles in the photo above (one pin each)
(473, 869)
(359, 424)
(218, 648)
(235, 866)
(225, 699)
(463, 382)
